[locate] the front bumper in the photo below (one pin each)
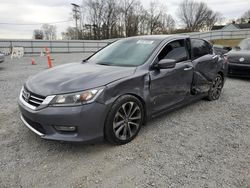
(237, 69)
(88, 119)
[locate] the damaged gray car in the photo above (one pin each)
(114, 92)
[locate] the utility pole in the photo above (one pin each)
(77, 16)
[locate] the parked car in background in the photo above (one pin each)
(239, 59)
(1, 57)
(113, 92)
(220, 49)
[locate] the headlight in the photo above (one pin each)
(74, 99)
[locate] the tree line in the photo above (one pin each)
(105, 19)
(46, 32)
(124, 18)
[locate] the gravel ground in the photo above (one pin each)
(205, 144)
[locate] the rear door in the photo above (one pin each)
(205, 64)
(170, 86)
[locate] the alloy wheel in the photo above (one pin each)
(216, 87)
(127, 120)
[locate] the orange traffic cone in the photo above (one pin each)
(33, 62)
(48, 58)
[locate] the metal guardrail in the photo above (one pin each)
(55, 46)
(91, 46)
(222, 34)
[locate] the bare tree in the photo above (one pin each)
(245, 18)
(143, 22)
(154, 15)
(159, 21)
(110, 16)
(70, 34)
(127, 9)
(197, 16)
(49, 31)
(105, 19)
(95, 16)
(246, 14)
(133, 18)
(38, 34)
(167, 23)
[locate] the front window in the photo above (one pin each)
(125, 52)
(245, 44)
(175, 50)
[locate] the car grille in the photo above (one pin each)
(31, 98)
(241, 71)
(236, 59)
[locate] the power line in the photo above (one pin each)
(9, 23)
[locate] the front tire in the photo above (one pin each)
(124, 120)
(216, 88)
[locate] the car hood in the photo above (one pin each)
(239, 56)
(75, 77)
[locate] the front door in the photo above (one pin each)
(171, 86)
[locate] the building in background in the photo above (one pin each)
(231, 26)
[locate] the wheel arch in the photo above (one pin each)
(140, 98)
(222, 75)
(142, 102)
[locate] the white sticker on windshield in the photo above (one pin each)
(145, 42)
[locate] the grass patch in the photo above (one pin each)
(226, 42)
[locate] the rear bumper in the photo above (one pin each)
(241, 70)
(88, 119)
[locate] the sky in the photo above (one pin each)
(49, 11)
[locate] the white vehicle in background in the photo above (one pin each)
(1, 57)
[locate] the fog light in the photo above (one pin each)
(65, 128)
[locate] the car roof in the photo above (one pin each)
(159, 37)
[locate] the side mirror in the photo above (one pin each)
(166, 64)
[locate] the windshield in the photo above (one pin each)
(125, 52)
(245, 44)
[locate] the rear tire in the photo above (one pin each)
(124, 120)
(216, 87)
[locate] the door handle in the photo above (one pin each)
(188, 68)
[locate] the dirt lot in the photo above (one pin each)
(206, 144)
(227, 42)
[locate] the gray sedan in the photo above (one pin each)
(115, 91)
